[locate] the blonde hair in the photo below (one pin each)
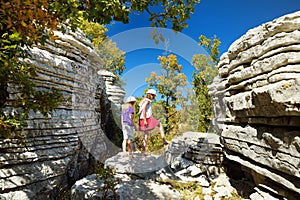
(127, 105)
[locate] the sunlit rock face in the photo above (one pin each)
(58, 150)
(257, 104)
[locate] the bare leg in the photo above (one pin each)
(146, 133)
(124, 144)
(129, 146)
(162, 133)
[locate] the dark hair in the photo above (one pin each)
(148, 95)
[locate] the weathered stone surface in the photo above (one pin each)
(139, 164)
(257, 106)
(140, 189)
(143, 177)
(90, 188)
(257, 102)
(198, 147)
(114, 92)
(58, 150)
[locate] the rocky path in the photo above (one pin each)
(138, 164)
(191, 158)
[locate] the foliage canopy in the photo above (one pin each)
(206, 70)
(170, 85)
(24, 23)
(113, 57)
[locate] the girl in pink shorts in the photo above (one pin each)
(147, 122)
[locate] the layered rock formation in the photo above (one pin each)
(257, 101)
(257, 104)
(111, 99)
(191, 158)
(57, 151)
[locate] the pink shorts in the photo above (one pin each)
(152, 123)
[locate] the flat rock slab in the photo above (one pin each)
(143, 190)
(138, 164)
(90, 188)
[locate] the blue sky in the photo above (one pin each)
(228, 20)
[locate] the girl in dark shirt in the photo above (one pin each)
(128, 125)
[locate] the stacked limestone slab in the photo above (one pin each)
(257, 104)
(56, 151)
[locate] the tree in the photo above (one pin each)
(205, 72)
(113, 57)
(162, 13)
(169, 84)
(24, 23)
(189, 112)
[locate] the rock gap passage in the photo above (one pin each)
(257, 109)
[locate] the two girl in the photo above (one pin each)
(146, 121)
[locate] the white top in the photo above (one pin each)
(148, 108)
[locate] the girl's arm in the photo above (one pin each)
(131, 116)
(144, 112)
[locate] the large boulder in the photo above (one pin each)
(56, 151)
(257, 104)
